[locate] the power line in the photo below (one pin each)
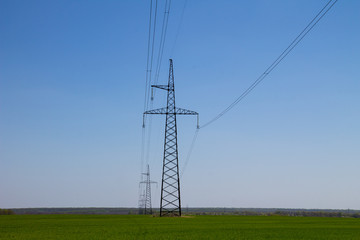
(150, 74)
(190, 152)
(148, 56)
(162, 40)
(149, 65)
(147, 155)
(274, 64)
(147, 86)
(179, 28)
(293, 44)
(152, 54)
(142, 149)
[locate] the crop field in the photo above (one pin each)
(189, 227)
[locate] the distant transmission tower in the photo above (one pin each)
(141, 201)
(170, 204)
(145, 197)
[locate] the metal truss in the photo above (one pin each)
(170, 204)
(146, 197)
(178, 111)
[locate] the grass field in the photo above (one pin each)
(198, 227)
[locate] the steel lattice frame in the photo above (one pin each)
(170, 204)
(146, 197)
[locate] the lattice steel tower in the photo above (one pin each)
(146, 196)
(170, 204)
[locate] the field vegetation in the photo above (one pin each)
(31, 227)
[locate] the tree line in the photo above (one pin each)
(6, 212)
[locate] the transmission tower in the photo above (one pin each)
(145, 198)
(170, 204)
(141, 201)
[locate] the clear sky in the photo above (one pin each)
(72, 79)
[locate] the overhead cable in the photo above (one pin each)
(162, 40)
(274, 64)
(148, 58)
(147, 86)
(152, 55)
(189, 153)
(147, 148)
(179, 28)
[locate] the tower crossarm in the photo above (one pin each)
(144, 182)
(163, 87)
(178, 111)
(157, 111)
(181, 111)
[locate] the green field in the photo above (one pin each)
(198, 227)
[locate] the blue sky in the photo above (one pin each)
(72, 78)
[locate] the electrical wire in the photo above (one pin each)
(148, 135)
(293, 44)
(179, 28)
(149, 119)
(146, 86)
(142, 149)
(274, 64)
(190, 151)
(162, 41)
(152, 56)
(147, 58)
